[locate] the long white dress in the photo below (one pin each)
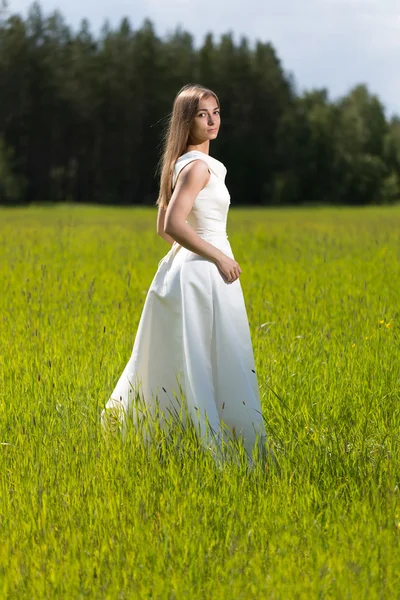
(193, 336)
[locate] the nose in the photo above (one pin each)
(210, 120)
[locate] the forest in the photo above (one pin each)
(82, 118)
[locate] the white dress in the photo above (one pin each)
(193, 336)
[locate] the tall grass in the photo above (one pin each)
(84, 516)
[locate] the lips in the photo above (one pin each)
(210, 130)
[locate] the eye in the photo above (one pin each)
(217, 112)
(201, 114)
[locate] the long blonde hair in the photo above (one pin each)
(176, 135)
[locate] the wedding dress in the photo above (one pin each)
(193, 339)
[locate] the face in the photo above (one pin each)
(206, 122)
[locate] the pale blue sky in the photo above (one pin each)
(324, 43)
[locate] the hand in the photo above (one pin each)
(229, 268)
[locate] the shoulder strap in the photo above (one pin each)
(183, 161)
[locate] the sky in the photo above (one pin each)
(334, 44)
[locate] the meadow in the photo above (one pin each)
(88, 516)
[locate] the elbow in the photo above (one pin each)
(174, 227)
(168, 229)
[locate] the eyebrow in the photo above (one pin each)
(206, 109)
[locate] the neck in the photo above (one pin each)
(203, 147)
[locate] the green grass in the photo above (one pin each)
(82, 516)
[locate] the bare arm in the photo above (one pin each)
(160, 226)
(190, 182)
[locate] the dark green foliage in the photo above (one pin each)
(81, 119)
(11, 187)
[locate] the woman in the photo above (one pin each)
(193, 344)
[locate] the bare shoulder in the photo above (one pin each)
(195, 173)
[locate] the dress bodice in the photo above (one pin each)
(210, 209)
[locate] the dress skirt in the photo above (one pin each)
(193, 345)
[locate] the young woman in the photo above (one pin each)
(193, 344)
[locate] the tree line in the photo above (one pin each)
(82, 118)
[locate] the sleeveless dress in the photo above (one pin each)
(193, 340)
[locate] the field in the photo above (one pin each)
(84, 516)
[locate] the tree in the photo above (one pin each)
(306, 149)
(11, 187)
(359, 140)
(82, 117)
